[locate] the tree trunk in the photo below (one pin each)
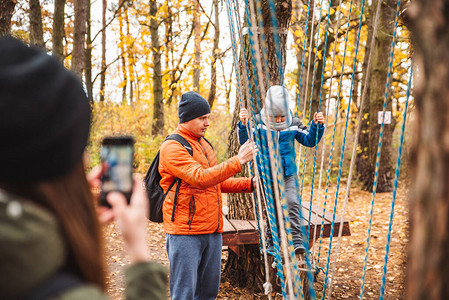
(103, 51)
(36, 31)
(79, 37)
(168, 23)
(6, 11)
(58, 30)
(247, 270)
(215, 54)
(197, 62)
(88, 57)
(300, 24)
(369, 134)
(158, 99)
(122, 54)
(130, 47)
(319, 102)
(428, 262)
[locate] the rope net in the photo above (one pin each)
(253, 79)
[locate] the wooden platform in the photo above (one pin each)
(243, 232)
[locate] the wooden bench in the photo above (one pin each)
(243, 232)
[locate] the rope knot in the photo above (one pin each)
(268, 288)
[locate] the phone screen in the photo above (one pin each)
(117, 160)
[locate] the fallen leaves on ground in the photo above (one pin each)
(347, 281)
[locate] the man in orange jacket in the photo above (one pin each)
(194, 239)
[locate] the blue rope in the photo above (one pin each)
(396, 179)
(271, 214)
(379, 146)
(340, 84)
(231, 23)
(304, 50)
(319, 109)
(281, 72)
(354, 67)
(266, 175)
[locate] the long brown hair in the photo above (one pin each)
(70, 199)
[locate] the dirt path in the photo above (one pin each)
(349, 269)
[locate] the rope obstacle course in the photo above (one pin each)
(268, 196)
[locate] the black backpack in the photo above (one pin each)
(154, 190)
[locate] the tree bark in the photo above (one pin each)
(103, 51)
(58, 30)
(299, 25)
(369, 134)
(79, 37)
(130, 49)
(215, 54)
(158, 98)
(36, 31)
(197, 62)
(6, 12)
(88, 56)
(247, 269)
(123, 53)
(428, 260)
(319, 103)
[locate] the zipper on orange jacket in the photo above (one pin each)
(218, 196)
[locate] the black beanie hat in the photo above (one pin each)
(192, 106)
(44, 115)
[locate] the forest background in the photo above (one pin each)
(140, 56)
(136, 58)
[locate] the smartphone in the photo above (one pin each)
(117, 155)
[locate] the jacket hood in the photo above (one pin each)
(32, 245)
(277, 104)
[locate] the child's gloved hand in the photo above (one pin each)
(244, 116)
(318, 118)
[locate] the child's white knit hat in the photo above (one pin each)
(277, 104)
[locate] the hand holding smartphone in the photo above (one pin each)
(117, 154)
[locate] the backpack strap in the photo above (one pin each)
(189, 149)
(182, 141)
(208, 142)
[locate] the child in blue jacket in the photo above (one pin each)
(285, 129)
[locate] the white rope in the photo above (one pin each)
(257, 176)
(307, 79)
(289, 276)
(337, 24)
(354, 148)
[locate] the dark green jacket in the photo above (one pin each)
(32, 249)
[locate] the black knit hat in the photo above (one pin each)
(192, 106)
(44, 115)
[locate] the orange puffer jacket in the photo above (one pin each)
(199, 204)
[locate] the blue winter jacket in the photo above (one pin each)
(286, 139)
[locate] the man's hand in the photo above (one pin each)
(244, 116)
(247, 151)
(318, 118)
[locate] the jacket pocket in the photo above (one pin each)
(192, 209)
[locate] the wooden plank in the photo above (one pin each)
(314, 219)
(327, 231)
(243, 232)
(327, 215)
(254, 223)
(243, 238)
(227, 226)
(242, 225)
